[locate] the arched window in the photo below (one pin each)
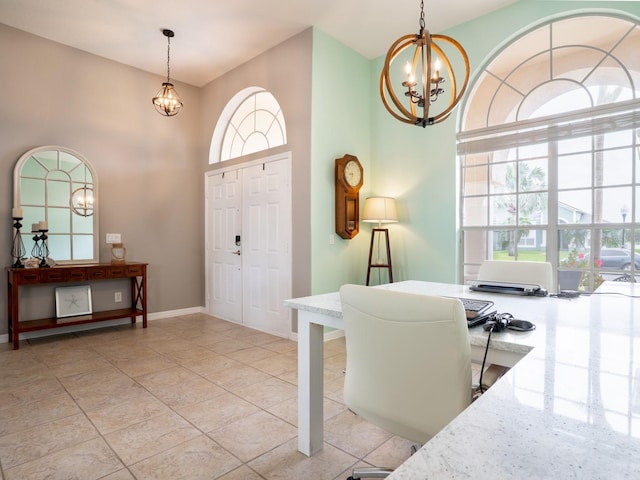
(251, 122)
(550, 152)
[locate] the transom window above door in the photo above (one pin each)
(251, 122)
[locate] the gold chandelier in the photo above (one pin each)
(424, 80)
(167, 100)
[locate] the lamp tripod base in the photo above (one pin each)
(379, 263)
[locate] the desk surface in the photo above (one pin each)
(328, 305)
(569, 409)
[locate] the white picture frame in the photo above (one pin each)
(73, 301)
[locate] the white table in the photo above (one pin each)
(570, 408)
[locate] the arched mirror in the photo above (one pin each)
(59, 186)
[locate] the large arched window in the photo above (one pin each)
(550, 152)
(251, 122)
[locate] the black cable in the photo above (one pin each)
(484, 360)
(566, 294)
(576, 294)
(610, 293)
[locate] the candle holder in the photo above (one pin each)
(36, 251)
(44, 249)
(17, 249)
(40, 248)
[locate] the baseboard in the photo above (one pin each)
(107, 323)
(4, 338)
(175, 313)
(332, 335)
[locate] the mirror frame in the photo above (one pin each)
(17, 175)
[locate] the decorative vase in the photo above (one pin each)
(118, 253)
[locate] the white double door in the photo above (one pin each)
(248, 244)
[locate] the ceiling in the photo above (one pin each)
(214, 36)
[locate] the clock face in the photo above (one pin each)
(352, 173)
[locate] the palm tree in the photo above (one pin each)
(523, 207)
(575, 238)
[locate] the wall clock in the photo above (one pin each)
(348, 180)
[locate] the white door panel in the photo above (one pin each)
(267, 263)
(255, 203)
(224, 286)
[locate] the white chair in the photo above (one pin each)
(408, 362)
(536, 273)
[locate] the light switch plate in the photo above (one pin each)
(114, 238)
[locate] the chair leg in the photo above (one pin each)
(371, 472)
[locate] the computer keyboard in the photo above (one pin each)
(476, 310)
(475, 307)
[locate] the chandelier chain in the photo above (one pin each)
(422, 24)
(168, 57)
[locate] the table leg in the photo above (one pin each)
(12, 304)
(143, 296)
(310, 384)
(139, 297)
(134, 297)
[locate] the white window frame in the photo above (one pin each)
(551, 129)
(242, 119)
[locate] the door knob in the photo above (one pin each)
(237, 252)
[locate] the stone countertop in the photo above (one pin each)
(325, 304)
(569, 409)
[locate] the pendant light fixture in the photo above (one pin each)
(167, 100)
(82, 199)
(428, 74)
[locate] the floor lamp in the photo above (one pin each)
(380, 210)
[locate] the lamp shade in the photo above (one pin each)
(380, 210)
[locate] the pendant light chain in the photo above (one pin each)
(422, 24)
(168, 57)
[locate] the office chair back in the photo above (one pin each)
(536, 273)
(408, 360)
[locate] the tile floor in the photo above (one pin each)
(190, 397)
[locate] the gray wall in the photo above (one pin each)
(149, 166)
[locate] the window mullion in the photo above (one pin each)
(552, 210)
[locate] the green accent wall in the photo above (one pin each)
(418, 166)
(342, 95)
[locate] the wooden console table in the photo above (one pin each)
(20, 277)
